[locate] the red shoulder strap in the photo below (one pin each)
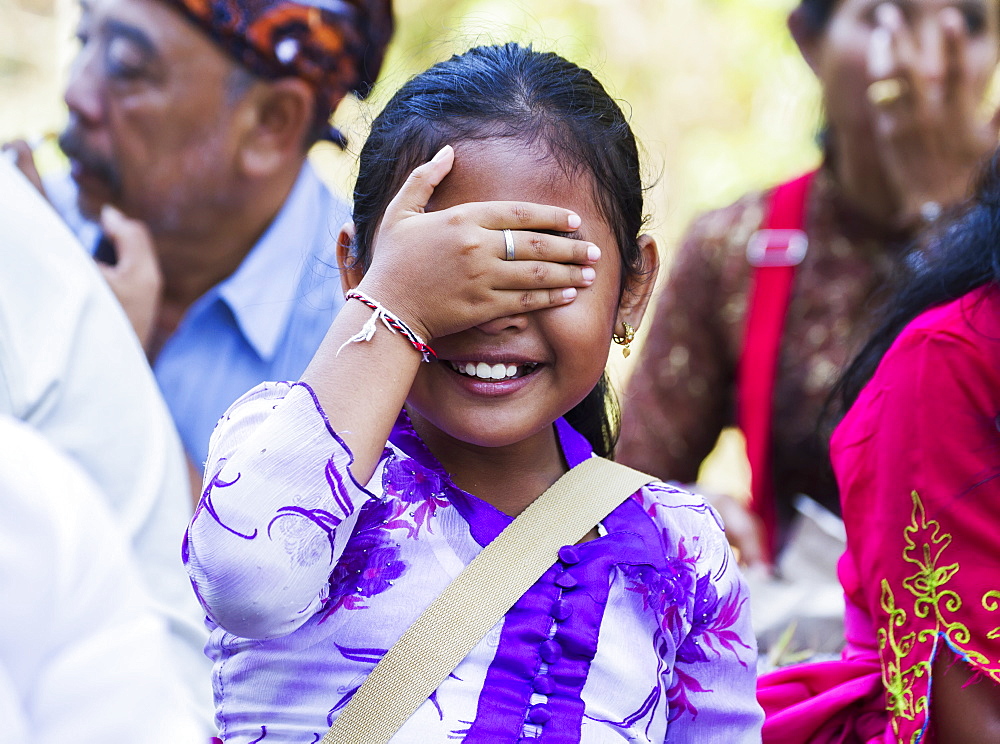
(774, 252)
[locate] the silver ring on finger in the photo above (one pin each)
(508, 239)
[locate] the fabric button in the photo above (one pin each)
(539, 713)
(543, 684)
(568, 555)
(551, 652)
(566, 580)
(561, 610)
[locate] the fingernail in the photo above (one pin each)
(108, 212)
(880, 53)
(887, 15)
(593, 253)
(569, 294)
(588, 274)
(951, 20)
(441, 154)
(574, 220)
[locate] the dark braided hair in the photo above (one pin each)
(512, 91)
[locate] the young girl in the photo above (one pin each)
(331, 519)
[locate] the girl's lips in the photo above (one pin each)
(494, 387)
(488, 371)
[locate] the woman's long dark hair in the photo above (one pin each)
(959, 257)
(512, 91)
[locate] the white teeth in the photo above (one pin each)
(485, 371)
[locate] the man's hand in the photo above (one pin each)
(25, 162)
(135, 279)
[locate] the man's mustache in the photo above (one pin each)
(71, 142)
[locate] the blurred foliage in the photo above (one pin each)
(718, 93)
(719, 96)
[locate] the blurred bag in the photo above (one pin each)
(798, 613)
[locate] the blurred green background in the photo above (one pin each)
(719, 96)
(718, 93)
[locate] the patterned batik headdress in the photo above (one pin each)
(337, 46)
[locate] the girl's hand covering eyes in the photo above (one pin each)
(445, 271)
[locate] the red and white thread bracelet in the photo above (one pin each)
(391, 322)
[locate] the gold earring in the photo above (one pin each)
(626, 339)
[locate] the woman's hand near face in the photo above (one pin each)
(931, 137)
(445, 271)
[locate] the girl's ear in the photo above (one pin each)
(639, 288)
(351, 272)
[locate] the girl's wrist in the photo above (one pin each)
(388, 293)
(386, 318)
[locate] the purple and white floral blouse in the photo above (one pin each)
(642, 635)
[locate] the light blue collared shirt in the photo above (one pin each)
(264, 322)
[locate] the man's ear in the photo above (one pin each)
(351, 271)
(806, 39)
(280, 113)
(639, 289)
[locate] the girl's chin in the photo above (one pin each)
(486, 431)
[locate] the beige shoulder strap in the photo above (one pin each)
(479, 598)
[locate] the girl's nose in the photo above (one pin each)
(506, 323)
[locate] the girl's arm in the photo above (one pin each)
(287, 464)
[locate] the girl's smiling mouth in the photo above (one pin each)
(488, 372)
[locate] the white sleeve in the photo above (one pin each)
(83, 655)
(278, 507)
(71, 367)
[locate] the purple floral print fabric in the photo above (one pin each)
(308, 577)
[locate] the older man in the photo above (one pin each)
(192, 119)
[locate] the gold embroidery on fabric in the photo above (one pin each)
(991, 603)
(925, 544)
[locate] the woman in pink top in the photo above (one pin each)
(917, 459)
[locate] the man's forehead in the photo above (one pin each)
(156, 26)
(148, 16)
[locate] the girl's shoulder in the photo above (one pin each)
(672, 498)
(680, 515)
